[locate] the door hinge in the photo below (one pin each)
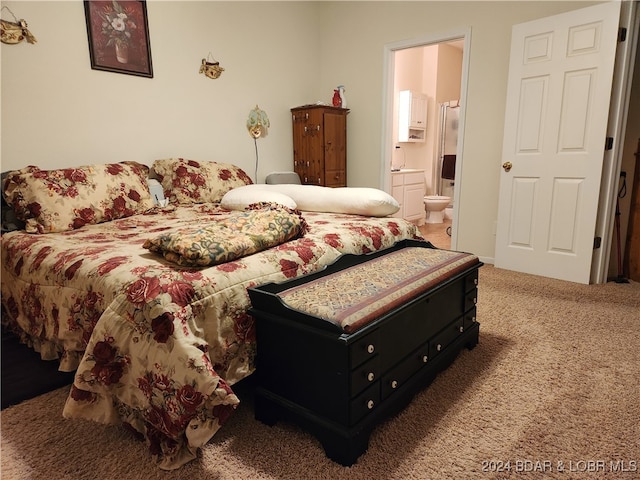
(608, 145)
(597, 242)
(622, 35)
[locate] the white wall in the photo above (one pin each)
(410, 64)
(56, 111)
(354, 35)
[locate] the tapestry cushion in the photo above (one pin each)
(241, 198)
(261, 227)
(355, 296)
(189, 181)
(370, 202)
(59, 200)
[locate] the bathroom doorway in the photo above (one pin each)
(435, 67)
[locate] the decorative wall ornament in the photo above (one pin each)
(210, 67)
(118, 34)
(16, 31)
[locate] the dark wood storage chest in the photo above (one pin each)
(339, 385)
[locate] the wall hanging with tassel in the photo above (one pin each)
(16, 31)
(211, 68)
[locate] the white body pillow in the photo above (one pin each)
(370, 202)
(239, 198)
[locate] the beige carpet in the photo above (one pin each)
(554, 383)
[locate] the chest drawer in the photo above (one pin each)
(471, 280)
(446, 336)
(470, 299)
(365, 403)
(469, 318)
(365, 375)
(397, 376)
(364, 349)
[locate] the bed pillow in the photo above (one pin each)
(59, 200)
(241, 197)
(189, 181)
(370, 202)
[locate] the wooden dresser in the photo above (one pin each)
(320, 145)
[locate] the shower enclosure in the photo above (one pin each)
(447, 148)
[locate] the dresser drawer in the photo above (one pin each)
(444, 338)
(335, 178)
(364, 375)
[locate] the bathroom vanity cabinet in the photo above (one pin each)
(408, 188)
(320, 145)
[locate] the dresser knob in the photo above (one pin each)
(370, 348)
(424, 359)
(439, 347)
(394, 384)
(370, 404)
(475, 300)
(371, 376)
(475, 281)
(461, 329)
(473, 319)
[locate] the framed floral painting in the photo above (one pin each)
(118, 33)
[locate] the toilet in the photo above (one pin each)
(436, 205)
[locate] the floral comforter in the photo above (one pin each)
(157, 346)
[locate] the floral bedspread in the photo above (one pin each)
(157, 346)
(263, 226)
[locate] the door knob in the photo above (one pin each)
(507, 166)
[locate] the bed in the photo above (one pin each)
(157, 335)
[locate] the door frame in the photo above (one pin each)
(388, 102)
(618, 111)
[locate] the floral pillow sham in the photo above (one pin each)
(60, 200)
(189, 181)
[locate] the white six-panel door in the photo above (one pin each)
(558, 96)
